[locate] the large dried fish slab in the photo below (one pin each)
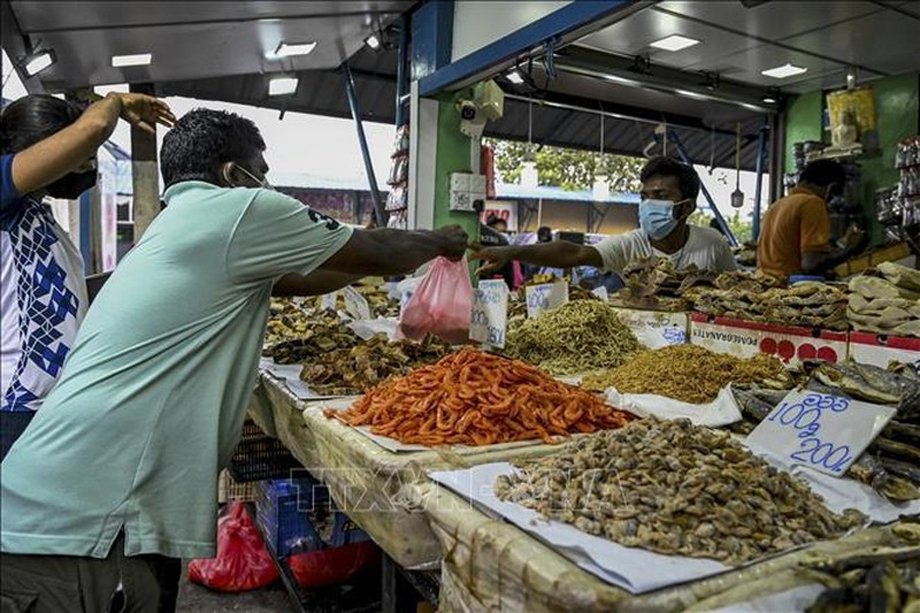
(902, 276)
(675, 488)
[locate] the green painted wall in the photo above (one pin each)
(453, 155)
(803, 122)
(896, 104)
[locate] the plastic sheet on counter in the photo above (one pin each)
(720, 412)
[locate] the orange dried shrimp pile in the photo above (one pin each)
(475, 398)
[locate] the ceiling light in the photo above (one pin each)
(515, 77)
(675, 42)
(784, 71)
(373, 42)
(38, 62)
(769, 99)
(287, 50)
(750, 107)
(282, 85)
(138, 59)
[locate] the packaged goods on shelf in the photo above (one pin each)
(689, 373)
(579, 336)
(475, 398)
(675, 488)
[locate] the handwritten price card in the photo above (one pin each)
(545, 297)
(823, 431)
(489, 316)
(601, 292)
(356, 304)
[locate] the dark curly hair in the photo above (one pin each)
(688, 180)
(204, 139)
(33, 118)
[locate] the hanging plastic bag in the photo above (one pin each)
(441, 304)
(242, 562)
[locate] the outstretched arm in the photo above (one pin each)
(317, 283)
(391, 252)
(555, 254)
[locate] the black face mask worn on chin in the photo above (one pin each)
(71, 185)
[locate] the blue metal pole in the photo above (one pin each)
(712, 204)
(379, 213)
(402, 76)
(761, 153)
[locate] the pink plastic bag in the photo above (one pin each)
(441, 303)
(242, 562)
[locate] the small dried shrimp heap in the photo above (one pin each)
(475, 398)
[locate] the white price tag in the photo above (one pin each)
(600, 292)
(356, 304)
(489, 316)
(822, 431)
(327, 301)
(547, 296)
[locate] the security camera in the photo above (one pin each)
(467, 109)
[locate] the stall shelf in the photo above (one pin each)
(367, 481)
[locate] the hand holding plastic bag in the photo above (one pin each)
(242, 562)
(441, 303)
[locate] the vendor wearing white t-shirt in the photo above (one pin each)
(669, 191)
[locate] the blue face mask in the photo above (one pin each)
(656, 217)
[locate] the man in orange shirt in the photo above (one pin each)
(797, 229)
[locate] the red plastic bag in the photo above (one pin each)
(242, 562)
(441, 304)
(330, 566)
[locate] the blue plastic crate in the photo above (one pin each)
(298, 516)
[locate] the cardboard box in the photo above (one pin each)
(746, 339)
(656, 329)
(875, 257)
(880, 349)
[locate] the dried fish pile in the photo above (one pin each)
(378, 299)
(577, 337)
(305, 339)
(886, 300)
(351, 371)
(817, 305)
(887, 580)
(287, 319)
(472, 397)
(891, 464)
(654, 283)
(675, 488)
(689, 373)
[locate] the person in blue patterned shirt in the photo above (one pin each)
(48, 148)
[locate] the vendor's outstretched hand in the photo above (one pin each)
(493, 257)
(145, 111)
(454, 240)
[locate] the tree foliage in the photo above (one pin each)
(571, 169)
(743, 229)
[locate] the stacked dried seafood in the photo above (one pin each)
(378, 299)
(689, 373)
(654, 283)
(675, 488)
(577, 337)
(288, 318)
(891, 464)
(312, 336)
(881, 580)
(886, 300)
(816, 305)
(351, 371)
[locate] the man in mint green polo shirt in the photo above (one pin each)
(114, 480)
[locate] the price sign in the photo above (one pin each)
(356, 304)
(823, 431)
(489, 315)
(546, 296)
(600, 292)
(327, 301)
